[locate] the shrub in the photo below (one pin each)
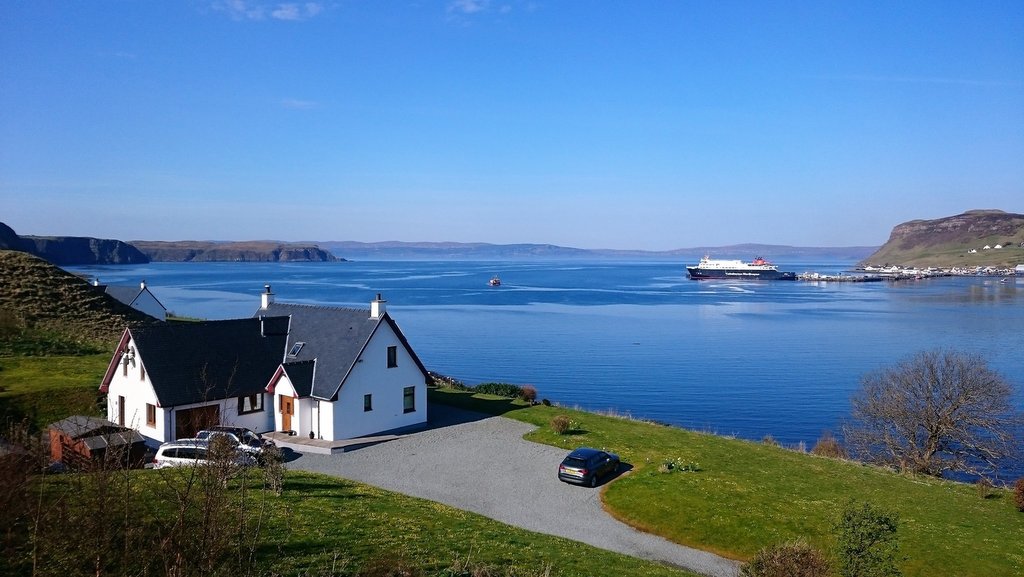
(770, 440)
(866, 543)
(528, 393)
(984, 487)
(828, 446)
(792, 559)
(1018, 494)
(560, 424)
(500, 389)
(545, 402)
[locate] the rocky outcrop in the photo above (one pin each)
(78, 250)
(9, 240)
(255, 251)
(949, 241)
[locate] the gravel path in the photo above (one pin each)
(481, 464)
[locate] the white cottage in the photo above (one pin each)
(347, 372)
(140, 299)
(169, 380)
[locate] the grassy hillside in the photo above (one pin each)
(743, 496)
(56, 337)
(45, 310)
(947, 242)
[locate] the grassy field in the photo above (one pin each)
(745, 495)
(47, 389)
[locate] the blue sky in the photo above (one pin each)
(639, 125)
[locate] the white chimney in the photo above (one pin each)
(142, 285)
(377, 307)
(267, 297)
(96, 281)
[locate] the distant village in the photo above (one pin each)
(897, 271)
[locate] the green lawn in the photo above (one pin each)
(748, 495)
(47, 389)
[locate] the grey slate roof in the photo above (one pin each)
(334, 337)
(198, 362)
(125, 294)
(97, 433)
(301, 376)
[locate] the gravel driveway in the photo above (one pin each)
(463, 452)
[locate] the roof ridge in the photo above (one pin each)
(322, 306)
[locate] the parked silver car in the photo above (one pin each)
(244, 439)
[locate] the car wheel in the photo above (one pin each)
(593, 480)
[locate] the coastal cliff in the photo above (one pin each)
(974, 238)
(252, 251)
(78, 250)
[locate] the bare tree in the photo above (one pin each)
(935, 412)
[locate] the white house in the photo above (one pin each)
(172, 379)
(140, 299)
(347, 372)
(337, 373)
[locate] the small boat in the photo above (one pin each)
(495, 281)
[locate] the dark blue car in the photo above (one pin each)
(586, 466)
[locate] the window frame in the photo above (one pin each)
(367, 402)
(257, 404)
(409, 400)
(392, 356)
(150, 415)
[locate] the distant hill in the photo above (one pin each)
(249, 251)
(949, 241)
(40, 303)
(394, 250)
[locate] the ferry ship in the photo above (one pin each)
(758, 269)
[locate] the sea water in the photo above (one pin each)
(743, 358)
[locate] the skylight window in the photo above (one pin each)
(295, 349)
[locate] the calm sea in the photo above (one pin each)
(735, 358)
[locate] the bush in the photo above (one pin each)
(528, 393)
(500, 389)
(866, 543)
(770, 440)
(792, 559)
(545, 402)
(828, 446)
(560, 424)
(1018, 494)
(984, 487)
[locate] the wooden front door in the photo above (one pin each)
(287, 410)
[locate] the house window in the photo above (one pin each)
(367, 403)
(409, 399)
(124, 365)
(250, 404)
(392, 357)
(295, 349)
(150, 415)
(142, 372)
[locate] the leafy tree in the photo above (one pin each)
(866, 544)
(934, 412)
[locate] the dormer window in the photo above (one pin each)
(295, 349)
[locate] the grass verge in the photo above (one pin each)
(743, 496)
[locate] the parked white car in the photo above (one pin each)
(191, 452)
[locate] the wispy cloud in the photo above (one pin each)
(297, 104)
(918, 80)
(254, 10)
(468, 6)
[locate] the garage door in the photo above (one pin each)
(187, 422)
